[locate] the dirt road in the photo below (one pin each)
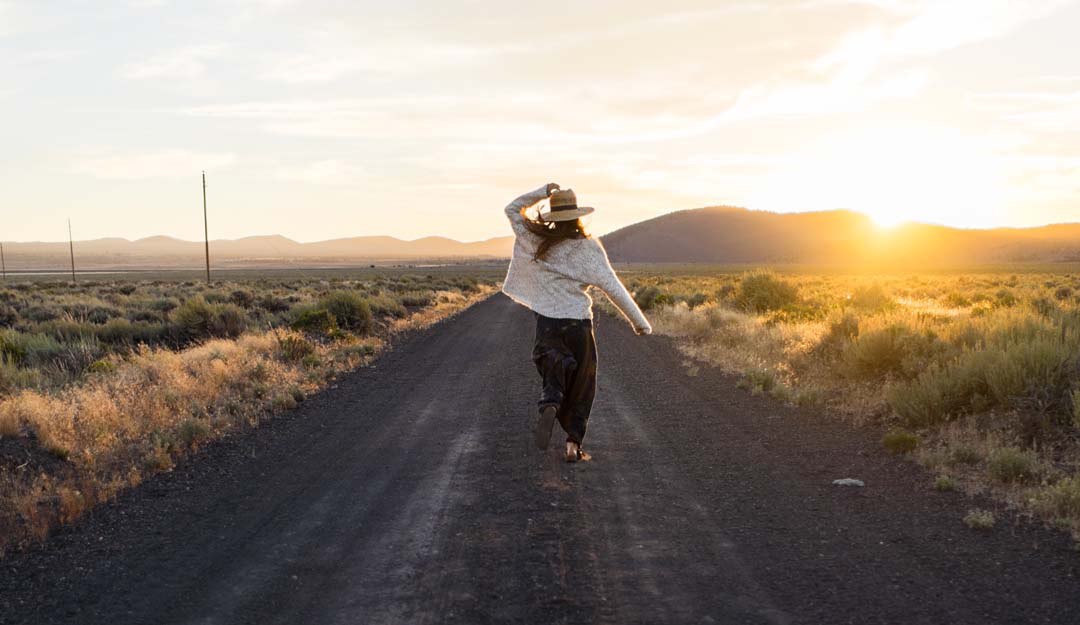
(410, 494)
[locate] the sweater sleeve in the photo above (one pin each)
(602, 276)
(515, 209)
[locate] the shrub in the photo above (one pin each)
(192, 318)
(8, 316)
(196, 319)
(215, 297)
(956, 300)
(898, 442)
(964, 454)
(895, 349)
(872, 298)
(1037, 371)
(193, 431)
(1044, 306)
(283, 402)
(1063, 293)
(415, 299)
(126, 333)
(242, 298)
(758, 381)
(646, 297)
(294, 348)
(272, 304)
(101, 314)
(307, 318)
(1011, 465)
(695, 300)
(387, 305)
(843, 329)
(103, 365)
(228, 321)
(350, 310)
(763, 291)
(29, 350)
(74, 358)
(1061, 499)
(40, 313)
(68, 331)
(13, 378)
(164, 304)
(978, 519)
(944, 483)
(1005, 298)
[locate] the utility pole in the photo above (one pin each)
(71, 248)
(3, 263)
(206, 228)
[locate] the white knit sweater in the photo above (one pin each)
(557, 286)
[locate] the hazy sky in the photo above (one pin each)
(326, 119)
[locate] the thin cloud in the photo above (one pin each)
(325, 172)
(931, 27)
(161, 164)
(186, 63)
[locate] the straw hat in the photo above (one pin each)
(563, 207)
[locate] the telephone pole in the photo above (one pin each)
(206, 228)
(71, 248)
(3, 263)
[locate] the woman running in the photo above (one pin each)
(554, 263)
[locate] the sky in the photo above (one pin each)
(319, 120)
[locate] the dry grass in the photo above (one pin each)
(145, 409)
(981, 372)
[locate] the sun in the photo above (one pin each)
(893, 175)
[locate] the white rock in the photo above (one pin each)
(847, 481)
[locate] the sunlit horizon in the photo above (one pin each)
(317, 120)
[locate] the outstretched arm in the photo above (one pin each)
(515, 210)
(603, 277)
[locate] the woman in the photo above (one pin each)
(553, 265)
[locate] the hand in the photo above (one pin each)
(551, 186)
(642, 331)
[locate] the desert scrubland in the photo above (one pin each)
(104, 382)
(976, 373)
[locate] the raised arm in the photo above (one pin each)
(515, 210)
(603, 277)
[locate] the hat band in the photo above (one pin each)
(568, 207)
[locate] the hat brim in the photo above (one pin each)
(569, 215)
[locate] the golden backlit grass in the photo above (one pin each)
(137, 413)
(981, 370)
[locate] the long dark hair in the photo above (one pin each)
(552, 233)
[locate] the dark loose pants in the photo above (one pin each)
(565, 356)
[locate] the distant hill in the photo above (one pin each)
(258, 251)
(736, 235)
(718, 235)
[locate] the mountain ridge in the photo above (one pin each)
(712, 234)
(726, 234)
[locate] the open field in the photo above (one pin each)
(104, 382)
(976, 372)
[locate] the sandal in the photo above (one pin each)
(575, 454)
